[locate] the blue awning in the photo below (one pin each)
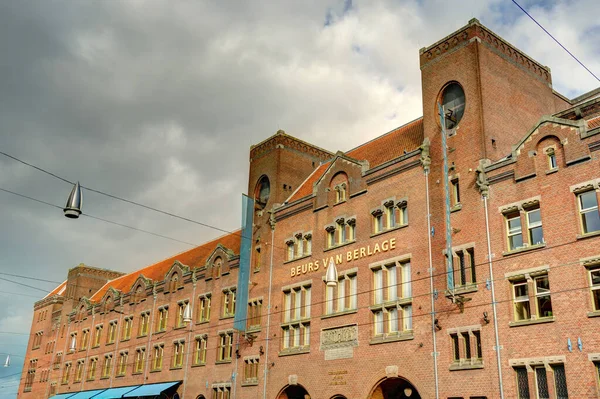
(150, 389)
(87, 394)
(63, 395)
(115, 393)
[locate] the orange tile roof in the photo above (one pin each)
(594, 122)
(58, 290)
(384, 148)
(195, 257)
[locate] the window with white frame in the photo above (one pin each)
(594, 274)
(342, 297)
(524, 225)
(455, 192)
(551, 154)
(392, 299)
(296, 317)
(514, 231)
(589, 215)
(534, 226)
(530, 289)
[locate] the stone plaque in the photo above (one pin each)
(339, 342)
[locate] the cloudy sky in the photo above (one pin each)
(159, 102)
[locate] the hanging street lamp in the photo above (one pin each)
(331, 277)
(7, 362)
(74, 202)
(187, 314)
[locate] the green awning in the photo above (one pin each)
(150, 389)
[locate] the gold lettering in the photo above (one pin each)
(392, 243)
(310, 267)
(293, 272)
(385, 246)
(356, 254)
(369, 250)
(376, 249)
(316, 265)
(338, 259)
(362, 252)
(349, 256)
(298, 270)
(304, 268)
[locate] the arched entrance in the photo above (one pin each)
(394, 388)
(293, 392)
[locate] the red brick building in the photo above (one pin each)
(523, 193)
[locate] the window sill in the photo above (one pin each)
(294, 351)
(141, 336)
(253, 329)
(82, 349)
(387, 304)
(595, 313)
(179, 328)
(531, 321)
(339, 203)
(137, 373)
(342, 313)
(467, 365)
(160, 332)
(119, 375)
(223, 361)
(199, 365)
(110, 343)
(462, 289)
(89, 379)
(388, 230)
(226, 317)
(104, 378)
(176, 368)
(28, 389)
(402, 336)
(298, 258)
(156, 370)
(524, 249)
(587, 235)
(125, 339)
(339, 245)
(64, 383)
(202, 322)
(295, 322)
(250, 383)
(456, 208)
(553, 170)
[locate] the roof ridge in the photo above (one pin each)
(384, 134)
(305, 180)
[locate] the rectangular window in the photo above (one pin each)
(290, 249)
(299, 243)
(560, 381)
(163, 317)
(225, 346)
(522, 383)
(127, 325)
(254, 314)
(454, 192)
(515, 234)
(552, 164)
(340, 231)
(79, 370)
(541, 383)
(200, 350)
(296, 326)
(85, 337)
(378, 225)
(342, 297)
(330, 236)
(229, 302)
(92, 368)
(221, 392)
(112, 332)
(542, 296)
(466, 348)
(534, 227)
(595, 288)
(140, 358)
(588, 211)
(392, 304)
(251, 370)
(203, 308)
(97, 335)
(157, 356)
(178, 351)
(144, 324)
(58, 360)
(106, 368)
(180, 311)
(123, 356)
(464, 267)
(66, 373)
(521, 300)
(308, 243)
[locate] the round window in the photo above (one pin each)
(262, 192)
(453, 103)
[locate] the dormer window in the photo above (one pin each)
(340, 192)
(552, 164)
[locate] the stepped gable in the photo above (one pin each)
(193, 258)
(384, 148)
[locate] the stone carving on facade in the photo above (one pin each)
(482, 181)
(425, 157)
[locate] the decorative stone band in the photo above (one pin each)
(531, 362)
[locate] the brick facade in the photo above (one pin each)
(522, 157)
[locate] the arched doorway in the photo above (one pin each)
(338, 397)
(394, 388)
(293, 392)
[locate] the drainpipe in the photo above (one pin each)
(489, 248)
(431, 288)
(266, 372)
(189, 340)
(150, 330)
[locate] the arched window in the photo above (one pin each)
(218, 266)
(262, 192)
(339, 186)
(453, 103)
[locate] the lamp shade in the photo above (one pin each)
(187, 313)
(7, 362)
(331, 277)
(73, 346)
(73, 208)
